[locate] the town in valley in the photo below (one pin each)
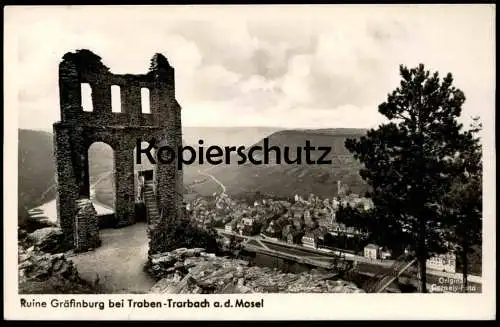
(392, 201)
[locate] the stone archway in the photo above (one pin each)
(78, 129)
(102, 174)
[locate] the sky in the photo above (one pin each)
(294, 66)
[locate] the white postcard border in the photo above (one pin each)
(276, 306)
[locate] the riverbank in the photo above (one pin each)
(118, 266)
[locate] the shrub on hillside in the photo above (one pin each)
(182, 234)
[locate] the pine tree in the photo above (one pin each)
(463, 203)
(405, 161)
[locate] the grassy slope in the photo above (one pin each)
(35, 167)
(36, 170)
(289, 179)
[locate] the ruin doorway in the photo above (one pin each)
(144, 178)
(144, 171)
(102, 184)
(113, 115)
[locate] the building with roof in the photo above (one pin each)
(371, 251)
(310, 240)
(443, 262)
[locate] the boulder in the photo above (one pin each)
(182, 271)
(41, 266)
(48, 239)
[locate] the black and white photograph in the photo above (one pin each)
(249, 150)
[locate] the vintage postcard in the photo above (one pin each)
(249, 162)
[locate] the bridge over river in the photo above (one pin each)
(385, 272)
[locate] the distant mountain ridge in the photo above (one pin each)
(37, 168)
(335, 131)
(226, 136)
(36, 165)
(288, 179)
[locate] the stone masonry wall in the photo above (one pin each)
(67, 189)
(78, 129)
(156, 226)
(86, 226)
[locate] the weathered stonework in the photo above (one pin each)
(154, 218)
(86, 226)
(79, 129)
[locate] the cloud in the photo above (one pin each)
(313, 68)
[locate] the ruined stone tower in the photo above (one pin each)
(79, 129)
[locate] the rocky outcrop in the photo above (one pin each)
(46, 273)
(48, 240)
(193, 271)
(41, 266)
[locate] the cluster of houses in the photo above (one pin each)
(375, 252)
(443, 262)
(296, 221)
(287, 219)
